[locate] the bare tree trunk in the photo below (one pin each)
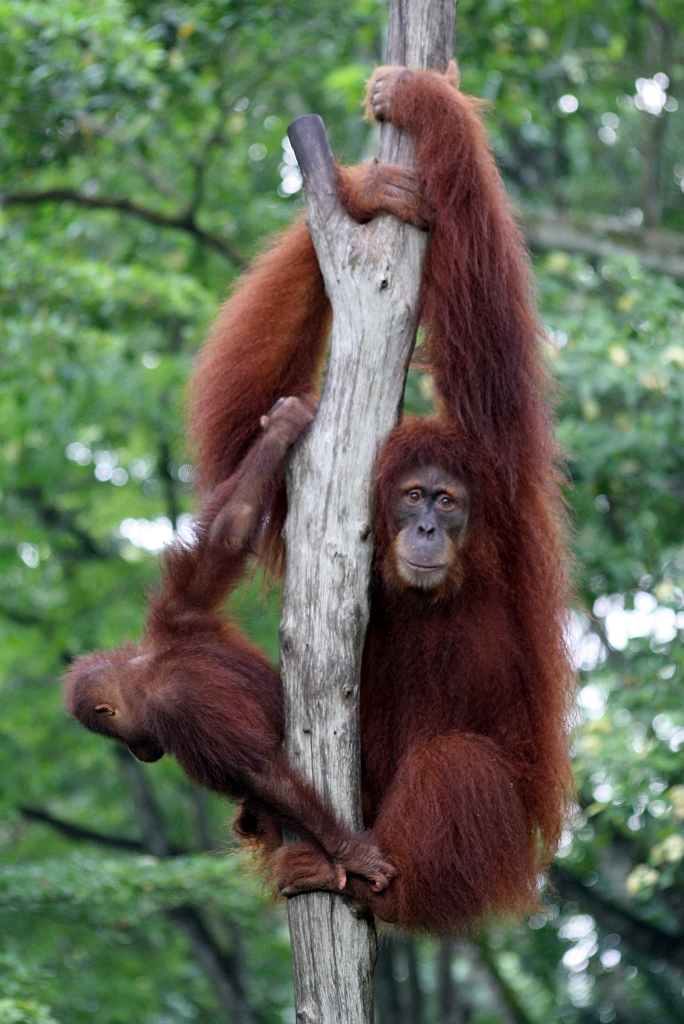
(414, 1014)
(385, 988)
(510, 1006)
(451, 1009)
(372, 275)
(654, 133)
(654, 128)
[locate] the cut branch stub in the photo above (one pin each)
(309, 141)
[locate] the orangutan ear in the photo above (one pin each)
(105, 709)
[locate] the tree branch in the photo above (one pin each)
(87, 835)
(21, 618)
(642, 942)
(183, 222)
(643, 936)
(665, 986)
(604, 238)
(84, 835)
(55, 518)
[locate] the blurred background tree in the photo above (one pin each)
(142, 160)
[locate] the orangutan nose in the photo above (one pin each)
(426, 531)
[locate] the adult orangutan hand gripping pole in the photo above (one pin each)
(372, 275)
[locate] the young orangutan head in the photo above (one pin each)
(103, 692)
(430, 516)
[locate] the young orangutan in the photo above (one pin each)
(196, 688)
(466, 683)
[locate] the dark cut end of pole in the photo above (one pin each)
(309, 141)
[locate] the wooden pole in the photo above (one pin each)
(372, 275)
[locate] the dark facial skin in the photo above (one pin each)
(431, 517)
(104, 721)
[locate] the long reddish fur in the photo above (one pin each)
(464, 700)
(482, 679)
(268, 341)
(204, 693)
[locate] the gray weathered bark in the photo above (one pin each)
(372, 275)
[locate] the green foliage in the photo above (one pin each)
(124, 892)
(24, 1011)
(621, 376)
(141, 163)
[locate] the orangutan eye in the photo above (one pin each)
(446, 502)
(414, 496)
